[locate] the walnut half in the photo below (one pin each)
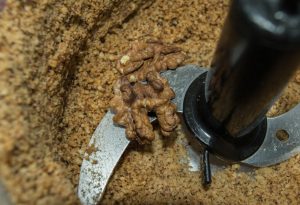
(141, 90)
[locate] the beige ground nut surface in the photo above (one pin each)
(56, 77)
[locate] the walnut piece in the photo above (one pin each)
(150, 56)
(141, 90)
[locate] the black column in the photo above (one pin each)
(258, 52)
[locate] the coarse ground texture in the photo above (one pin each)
(57, 62)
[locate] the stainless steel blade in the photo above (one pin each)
(4, 196)
(271, 152)
(274, 151)
(109, 141)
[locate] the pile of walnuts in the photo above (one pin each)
(141, 89)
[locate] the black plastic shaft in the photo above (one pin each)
(206, 168)
(258, 52)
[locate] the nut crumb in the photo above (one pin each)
(91, 149)
(124, 59)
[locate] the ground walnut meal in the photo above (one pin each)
(141, 90)
(57, 77)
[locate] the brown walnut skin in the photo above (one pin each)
(141, 90)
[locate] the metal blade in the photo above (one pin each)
(180, 79)
(4, 196)
(274, 151)
(109, 141)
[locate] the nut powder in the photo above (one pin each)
(57, 70)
